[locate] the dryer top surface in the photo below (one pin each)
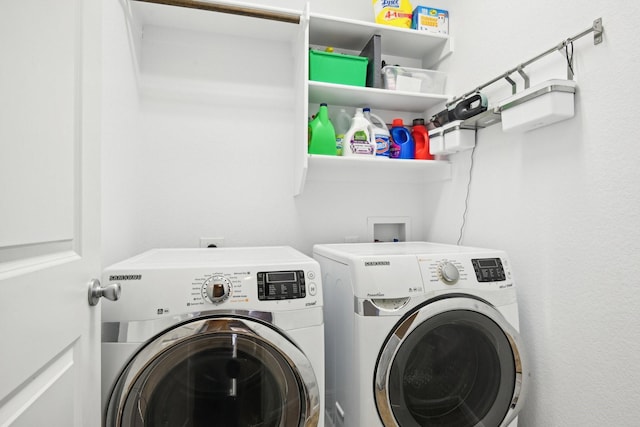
(353, 251)
(412, 269)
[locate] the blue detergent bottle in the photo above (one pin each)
(402, 146)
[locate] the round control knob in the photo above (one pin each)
(216, 289)
(449, 273)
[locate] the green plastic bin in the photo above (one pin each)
(331, 67)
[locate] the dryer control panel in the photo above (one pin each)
(461, 271)
(489, 269)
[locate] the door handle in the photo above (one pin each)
(96, 291)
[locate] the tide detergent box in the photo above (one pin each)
(431, 20)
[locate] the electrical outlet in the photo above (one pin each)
(213, 242)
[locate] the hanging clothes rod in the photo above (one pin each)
(597, 31)
(234, 10)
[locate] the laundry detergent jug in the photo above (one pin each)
(322, 136)
(358, 140)
(402, 145)
(379, 132)
(421, 140)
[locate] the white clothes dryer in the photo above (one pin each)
(220, 336)
(420, 334)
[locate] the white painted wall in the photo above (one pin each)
(563, 201)
(120, 135)
(198, 140)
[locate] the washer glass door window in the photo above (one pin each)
(224, 377)
(456, 368)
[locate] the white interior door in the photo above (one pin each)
(49, 212)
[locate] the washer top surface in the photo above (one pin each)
(167, 282)
(207, 257)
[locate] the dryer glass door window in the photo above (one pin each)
(221, 379)
(454, 370)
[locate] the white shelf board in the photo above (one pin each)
(356, 96)
(376, 169)
(213, 22)
(354, 35)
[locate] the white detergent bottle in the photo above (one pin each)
(341, 124)
(358, 140)
(379, 132)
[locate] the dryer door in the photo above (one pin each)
(453, 362)
(226, 371)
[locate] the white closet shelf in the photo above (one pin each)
(335, 94)
(376, 169)
(354, 35)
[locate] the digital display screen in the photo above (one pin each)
(489, 269)
(281, 285)
(285, 276)
(488, 263)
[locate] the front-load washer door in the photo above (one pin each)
(451, 362)
(218, 371)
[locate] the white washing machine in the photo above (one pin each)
(420, 334)
(225, 336)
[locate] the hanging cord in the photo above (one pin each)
(569, 56)
(466, 199)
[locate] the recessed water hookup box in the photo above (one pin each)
(389, 228)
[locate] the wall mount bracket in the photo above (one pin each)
(597, 29)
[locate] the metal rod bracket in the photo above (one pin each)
(597, 31)
(525, 77)
(514, 87)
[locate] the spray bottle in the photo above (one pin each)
(379, 132)
(358, 140)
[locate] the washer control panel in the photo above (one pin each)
(246, 287)
(280, 285)
(216, 289)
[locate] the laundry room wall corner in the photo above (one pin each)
(562, 201)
